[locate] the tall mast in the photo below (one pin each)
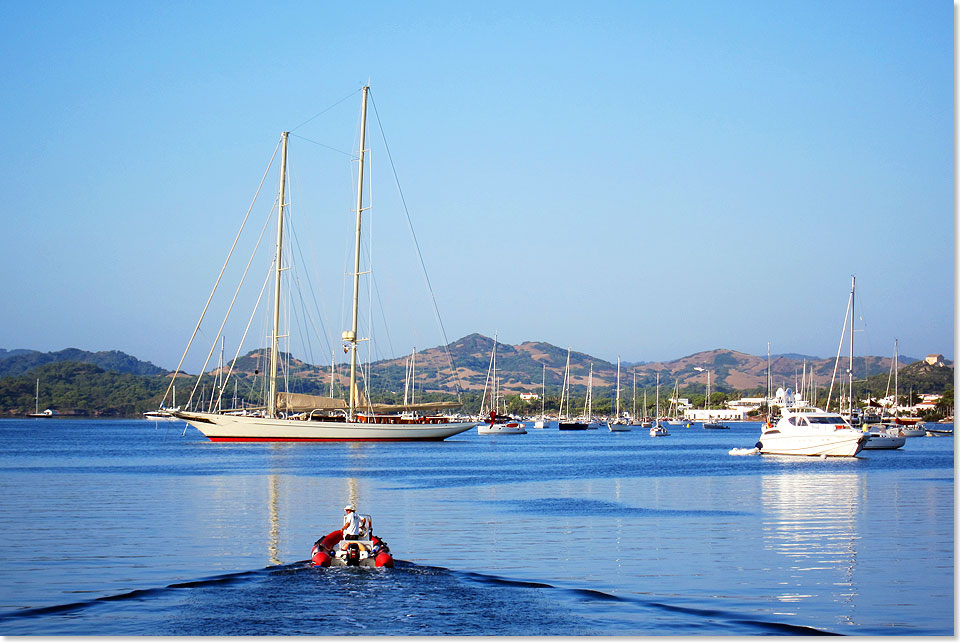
(896, 368)
(658, 398)
(274, 339)
(496, 388)
(618, 385)
(588, 406)
(351, 336)
(564, 389)
(543, 392)
(853, 286)
(768, 382)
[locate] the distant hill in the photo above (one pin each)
(82, 389)
(4, 354)
(113, 383)
(918, 377)
(522, 367)
(17, 362)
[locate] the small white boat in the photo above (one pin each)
(659, 430)
(501, 425)
(494, 423)
(46, 414)
(813, 432)
(564, 421)
(913, 431)
(620, 423)
(883, 437)
(715, 425)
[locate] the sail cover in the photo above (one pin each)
(299, 402)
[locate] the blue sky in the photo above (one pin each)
(647, 179)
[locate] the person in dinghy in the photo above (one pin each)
(354, 544)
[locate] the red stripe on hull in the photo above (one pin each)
(345, 439)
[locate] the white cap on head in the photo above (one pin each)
(349, 507)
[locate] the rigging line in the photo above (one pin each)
(222, 270)
(433, 296)
(383, 318)
(233, 301)
(332, 149)
(313, 295)
(243, 338)
(323, 337)
(321, 113)
(836, 364)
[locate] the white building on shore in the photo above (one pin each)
(705, 414)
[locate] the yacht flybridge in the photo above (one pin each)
(305, 417)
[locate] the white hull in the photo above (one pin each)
(884, 442)
(511, 428)
(838, 443)
(540, 424)
(242, 428)
(619, 427)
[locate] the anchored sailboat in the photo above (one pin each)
(302, 417)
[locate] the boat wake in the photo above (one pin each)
(745, 451)
(717, 617)
(410, 599)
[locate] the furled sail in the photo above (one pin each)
(299, 402)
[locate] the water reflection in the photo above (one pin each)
(811, 524)
(273, 503)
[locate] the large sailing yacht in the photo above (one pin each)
(302, 417)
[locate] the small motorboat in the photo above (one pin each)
(333, 550)
(884, 437)
(501, 425)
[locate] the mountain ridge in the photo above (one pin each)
(526, 366)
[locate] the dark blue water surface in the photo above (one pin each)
(137, 528)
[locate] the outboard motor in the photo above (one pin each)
(353, 555)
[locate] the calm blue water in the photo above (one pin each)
(132, 528)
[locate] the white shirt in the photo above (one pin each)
(351, 523)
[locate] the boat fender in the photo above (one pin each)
(320, 556)
(758, 445)
(384, 560)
